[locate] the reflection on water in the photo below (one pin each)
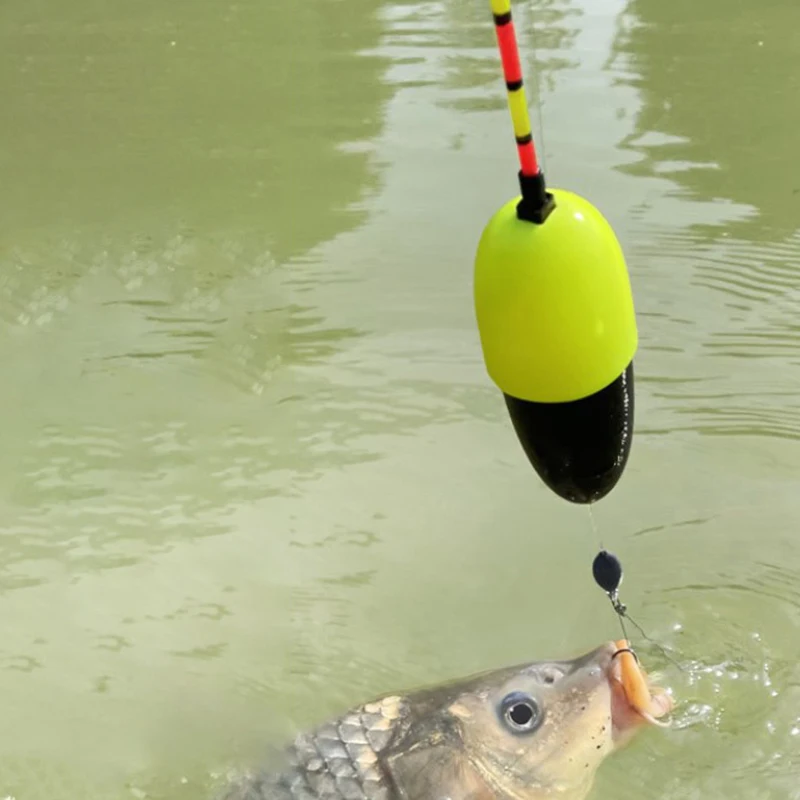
(252, 468)
(738, 253)
(717, 112)
(458, 34)
(146, 118)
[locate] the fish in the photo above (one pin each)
(534, 731)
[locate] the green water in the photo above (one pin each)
(252, 469)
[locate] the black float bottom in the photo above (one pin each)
(579, 449)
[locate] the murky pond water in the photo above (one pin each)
(252, 469)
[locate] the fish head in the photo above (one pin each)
(532, 732)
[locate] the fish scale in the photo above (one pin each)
(336, 761)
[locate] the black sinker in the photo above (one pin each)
(579, 449)
(607, 571)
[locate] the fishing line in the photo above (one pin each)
(607, 573)
(621, 619)
(622, 614)
(594, 528)
(539, 105)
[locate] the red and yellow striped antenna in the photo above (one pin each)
(512, 71)
(536, 203)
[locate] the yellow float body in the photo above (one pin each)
(553, 302)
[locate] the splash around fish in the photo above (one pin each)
(535, 731)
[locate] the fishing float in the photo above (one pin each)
(556, 317)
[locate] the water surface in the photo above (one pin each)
(252, 469)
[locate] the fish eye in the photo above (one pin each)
(520, 712)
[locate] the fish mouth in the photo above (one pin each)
(635, 700)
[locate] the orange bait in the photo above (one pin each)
(634, 683)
